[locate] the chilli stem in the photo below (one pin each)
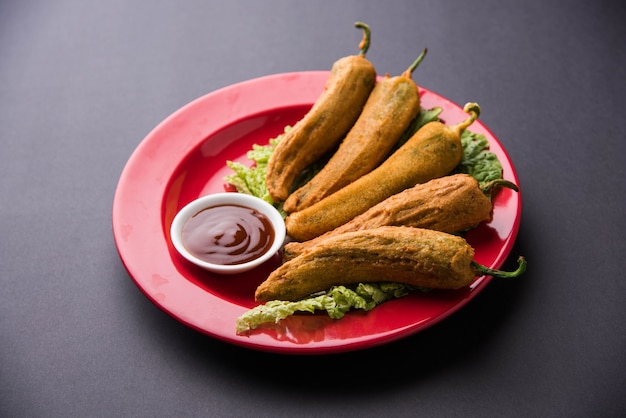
(521, 268)
(489, 187)
(364, 46)
(407, 73)
(474, 110)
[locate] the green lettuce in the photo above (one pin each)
(335, 302)
(251, 179)
(478, 161)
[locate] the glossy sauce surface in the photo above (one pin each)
(228, 234)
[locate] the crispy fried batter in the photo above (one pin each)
(389, 110)
(414, 256)
(322, 128)
(432, 152)
(448, 204)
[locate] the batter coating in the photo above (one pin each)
(415, 256)
(448, 204)
(324, 126)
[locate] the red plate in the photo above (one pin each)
(185, 157)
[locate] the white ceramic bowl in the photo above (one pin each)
(231, 198)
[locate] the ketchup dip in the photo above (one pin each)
(228, 234)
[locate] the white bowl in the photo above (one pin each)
(228, 198)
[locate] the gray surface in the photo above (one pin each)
(81, 84)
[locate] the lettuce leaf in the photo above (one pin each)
(335, 302)
(251, 179)
(478, 161)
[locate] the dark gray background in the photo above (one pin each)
(83, 82)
